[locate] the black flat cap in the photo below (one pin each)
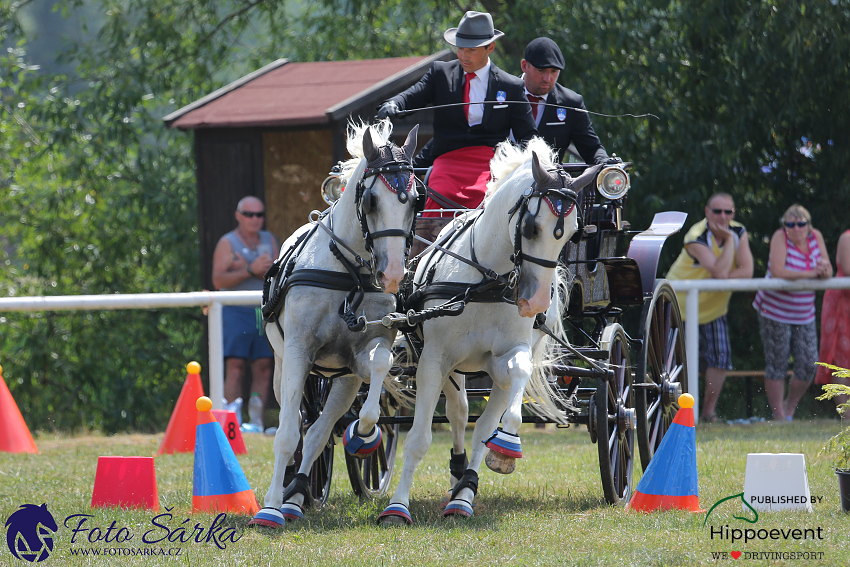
(543, 53)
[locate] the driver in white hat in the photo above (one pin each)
(487, 104)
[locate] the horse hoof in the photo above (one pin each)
(268, 517)
(458, 507)
(395, 515)
(292, 511)
(358, 445)
(500, 463)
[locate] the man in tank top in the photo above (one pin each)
(240, 261)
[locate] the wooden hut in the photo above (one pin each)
(276, 133)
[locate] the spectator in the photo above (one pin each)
(835, 323)
(716, 247)
(559, 113)
(465, 135)
(240, 261)
(787, 318)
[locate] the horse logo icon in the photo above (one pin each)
(29, 533)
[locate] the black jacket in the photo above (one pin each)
(575, 126)
(443, 84)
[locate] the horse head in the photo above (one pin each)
(387, 203)
(546, 220)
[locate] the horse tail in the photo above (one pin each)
(395, 382)
(544, 397)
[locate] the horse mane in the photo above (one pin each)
(381, 132)
(509, 157)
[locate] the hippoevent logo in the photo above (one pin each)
(30, 534)
(736, 537)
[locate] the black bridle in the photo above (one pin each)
(398, 178)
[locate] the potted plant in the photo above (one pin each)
(839, 446)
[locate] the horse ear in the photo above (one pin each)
(540, 173)
(370, 152)
(579, 182)
(409, 147)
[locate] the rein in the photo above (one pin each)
(494, 287)
(405, 112)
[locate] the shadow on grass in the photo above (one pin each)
(345, 513)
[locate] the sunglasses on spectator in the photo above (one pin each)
(251, 214)
(729, 212)
(800, 224)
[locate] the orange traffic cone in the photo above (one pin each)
(671, 481)
(15, 436)
(219, 483)
(230, 424)
(180, 433)
(125, 481)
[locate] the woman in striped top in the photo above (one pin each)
(787, 318)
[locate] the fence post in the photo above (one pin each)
(216, 348)
(692, 346)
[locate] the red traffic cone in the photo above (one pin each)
(230, 424)
(219, 483)
(15, 436)
(180, 433)
(128, 482)
(671, 481)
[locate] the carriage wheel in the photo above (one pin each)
(316, 391)
(615, 419)
(371, 476)
(661, 366)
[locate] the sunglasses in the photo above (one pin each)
(800, 224)
(729, 212)
(251, 214)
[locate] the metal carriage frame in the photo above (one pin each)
(623, 384)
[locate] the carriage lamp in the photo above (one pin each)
(613, 182)
(332, 186)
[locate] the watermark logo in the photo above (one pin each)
(736, 536)
(29, 533)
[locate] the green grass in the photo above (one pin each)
(549, 512)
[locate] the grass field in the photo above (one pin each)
(549, 512)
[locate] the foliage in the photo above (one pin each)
(838, 446)
(98, 197)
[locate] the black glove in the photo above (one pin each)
(388, 110)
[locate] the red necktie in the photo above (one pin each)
(469, 77)
(534, 100)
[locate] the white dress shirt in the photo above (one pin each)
(478, 92)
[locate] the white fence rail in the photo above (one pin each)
(215, 299)
(693, 287)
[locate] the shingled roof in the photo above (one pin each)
(296, 94)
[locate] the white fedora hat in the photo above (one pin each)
(475, 30)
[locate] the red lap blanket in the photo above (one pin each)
(462, 176)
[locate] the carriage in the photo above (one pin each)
(621, 380)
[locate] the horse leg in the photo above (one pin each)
(428, 387)
(289, 389)
(457, 412)
(297, 495)
(463, 493)
(504, 443)
(363, 436)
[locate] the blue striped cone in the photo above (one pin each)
(361, 446)
(670, 481)
(219, 482)
(505, 443)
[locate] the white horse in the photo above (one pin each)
(529, 214)
(314, 305)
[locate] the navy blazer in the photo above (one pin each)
(575, 126)
(443, 84)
